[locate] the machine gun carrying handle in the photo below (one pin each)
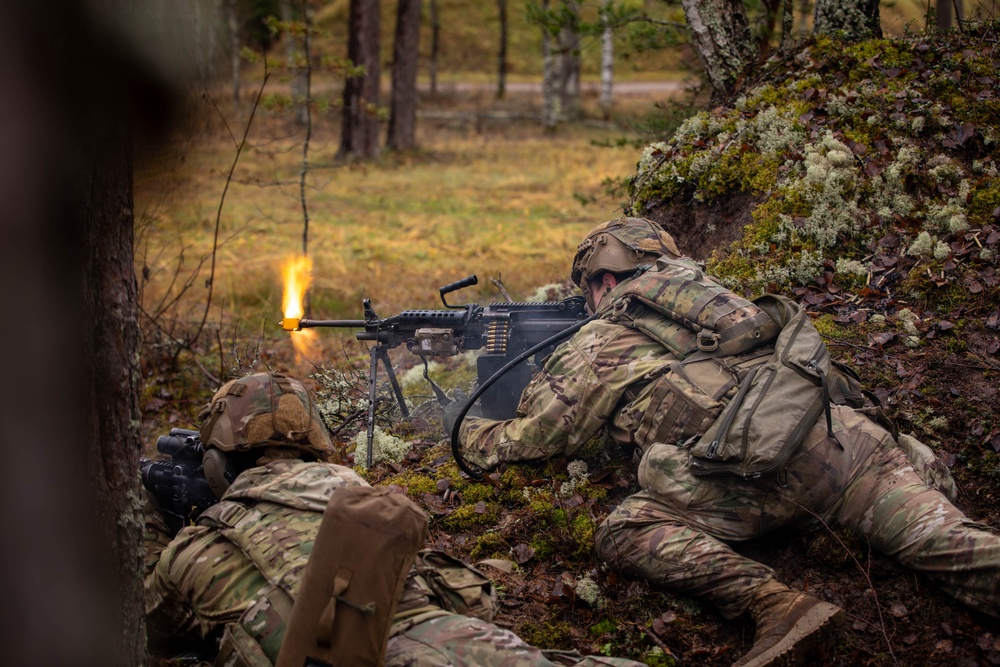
(457, 285)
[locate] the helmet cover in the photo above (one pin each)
(621, 245)
(265, 410)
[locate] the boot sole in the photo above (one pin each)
(813, 635)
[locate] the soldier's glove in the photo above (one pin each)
(453, 409)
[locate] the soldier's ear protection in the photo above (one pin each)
(219, 471)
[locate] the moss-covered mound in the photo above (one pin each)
(863, 179)
(871, 166)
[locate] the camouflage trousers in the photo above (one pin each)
(675, 531)
(463, 641)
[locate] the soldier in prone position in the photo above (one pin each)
(670, 353)
(237, 571)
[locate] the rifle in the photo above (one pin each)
(508, 333)
(178, 484)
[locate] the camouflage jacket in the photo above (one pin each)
(625, 370)
(242, 564)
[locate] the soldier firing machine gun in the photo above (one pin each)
(508, 334)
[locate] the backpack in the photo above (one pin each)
(676, 304)
(352, 584)
(458, 587)
(777, 401)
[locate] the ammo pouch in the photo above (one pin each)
(365, 547)
(458, 587)
(777, 402)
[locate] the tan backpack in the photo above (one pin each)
(351, 587)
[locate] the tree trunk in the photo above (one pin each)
(360, 129)
(549, 79)
(607, 61)
(569, 62)
(234, 35)
(110, 344)
(722, 38)
(406, 52)
(435, 46)
(854, 20)
(502, 55)
(295, 65)
(943, 13)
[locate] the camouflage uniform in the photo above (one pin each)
(675, 532)
(239, 569)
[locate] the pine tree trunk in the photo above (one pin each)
(550, 90)
(234, 36)
(435, 46)
(360, 128)
(569, 63)
(299, 77)
(111, 346)
(721, 36)
(406, 50)
(502, 55)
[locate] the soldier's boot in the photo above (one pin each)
(792, 627)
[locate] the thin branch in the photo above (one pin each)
(864, 571)
(222, 201)
(305, 145)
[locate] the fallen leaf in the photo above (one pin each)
(898, 610)
(523, 553)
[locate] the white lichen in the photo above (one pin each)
(385, 447)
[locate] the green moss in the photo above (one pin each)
(473, 493)
(547, 634)
(602, 627)
(655, 657)
(489, 545)
(465, 516)
(983, 200)
(414, 483)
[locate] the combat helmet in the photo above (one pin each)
(259, 412)
(619, 245)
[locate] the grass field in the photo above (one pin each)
(499, 200)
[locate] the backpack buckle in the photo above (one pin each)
(708, 341)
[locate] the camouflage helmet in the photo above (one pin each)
(618, 245)
(265, 410)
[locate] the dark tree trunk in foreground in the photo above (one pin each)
(406, 51)
(111, 344)
(360, 131)
(854, 20)
(72, 558)
(721, 36)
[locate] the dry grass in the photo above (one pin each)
(496, 200)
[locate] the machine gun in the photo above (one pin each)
(178, 484)
(508, 333)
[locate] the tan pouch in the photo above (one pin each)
(363, 553)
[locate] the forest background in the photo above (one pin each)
(225, 199)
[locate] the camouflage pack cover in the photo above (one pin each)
(621, 245)
(265, 410)
(700, 314)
